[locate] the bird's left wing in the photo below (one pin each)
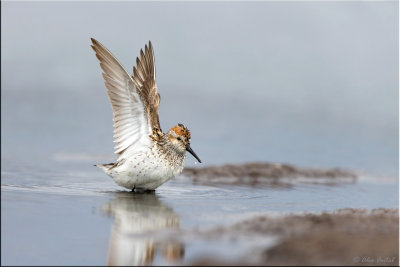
(132, 126)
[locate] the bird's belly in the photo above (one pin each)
(144, 172)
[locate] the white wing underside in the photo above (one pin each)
(131, 123)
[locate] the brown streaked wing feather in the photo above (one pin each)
(144, 77)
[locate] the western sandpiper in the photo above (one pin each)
(147, 156)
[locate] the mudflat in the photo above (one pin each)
(265, 173)
(342, 237)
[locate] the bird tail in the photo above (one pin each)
(105, 167)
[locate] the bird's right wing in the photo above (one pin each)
(144, 77)
(131, 121)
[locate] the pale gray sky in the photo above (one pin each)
(313, 83)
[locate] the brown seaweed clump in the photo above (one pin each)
(268, 174)
(343, 237)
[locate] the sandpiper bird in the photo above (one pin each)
(147, 156)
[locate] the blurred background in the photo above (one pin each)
(308, 83)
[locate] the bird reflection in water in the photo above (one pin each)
(139, 218)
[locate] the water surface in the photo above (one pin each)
(82, 217)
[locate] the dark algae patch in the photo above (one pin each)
(267, 174)
(342, 237)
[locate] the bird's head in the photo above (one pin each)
(179, 136)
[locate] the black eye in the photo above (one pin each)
(179, 138)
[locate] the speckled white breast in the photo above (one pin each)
(147, 170)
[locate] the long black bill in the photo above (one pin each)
(189, 149)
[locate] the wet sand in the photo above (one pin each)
(343, 237)
(267, 174)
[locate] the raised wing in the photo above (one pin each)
(144, 77)
(131, 121)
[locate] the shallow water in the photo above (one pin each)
(82, 217)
